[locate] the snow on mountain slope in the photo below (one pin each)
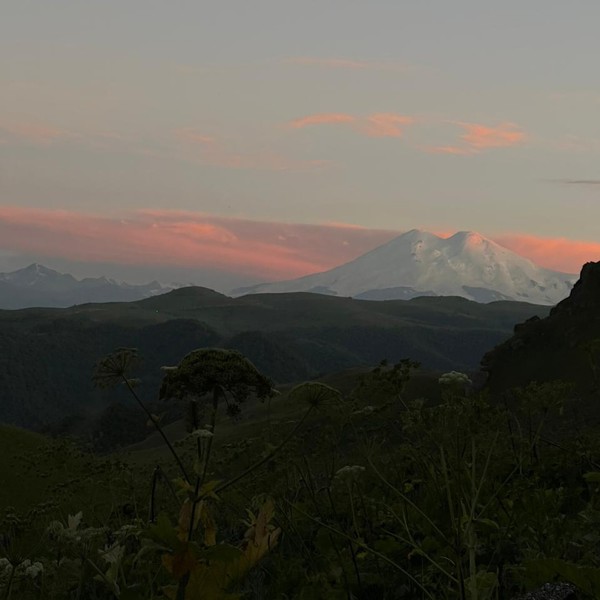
(37, 276)
(37, 285)
(421, 263)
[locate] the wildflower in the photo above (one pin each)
(366, 410)
(314, 393)
(128, 530)
(5, 567)
(202, 433)
(34, 569)
(112, 554)
(349, 472)
(454, 378)
(113, 369)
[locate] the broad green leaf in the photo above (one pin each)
(164, 532)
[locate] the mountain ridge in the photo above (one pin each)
(47, 355)
(421, 263)
(40, 286)
(564, 345)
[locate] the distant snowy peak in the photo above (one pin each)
(420, 263)
(34, 274)
(37, 285)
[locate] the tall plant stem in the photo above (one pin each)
(200, 479)
(268, 457)
(158, 428)
(156, 474)
(367, 548)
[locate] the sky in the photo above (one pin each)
(229, 142)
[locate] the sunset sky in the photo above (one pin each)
(237, 141)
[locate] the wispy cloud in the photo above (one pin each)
(208, 150)
(322, 119)
(345, 63)
(386, 124)
(44, 134)
(458, 150)
(162, 237)
(375, 125)
(190, 134)
(580, 181)
(560, 254)
(36, 133)
(481, 137)
(478, 138)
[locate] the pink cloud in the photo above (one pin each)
(322, 119)
(189, 134)
(447, 150)
(260, 161)
(560, 254)
(386, 124)
(481, 137)
(478, 138)
(375, 125)
(37, 133)
(264, 249)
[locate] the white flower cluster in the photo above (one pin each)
(202, 433)
(454, 378)
(366, 410)
(126, 531)
(25, 568)
(349, 472)
(73, 532)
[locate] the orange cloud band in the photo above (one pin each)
(322, 119)
(263, 249)
(268, 250)
(36, 133)
(560, 254)
(375, 125)
(482, 136)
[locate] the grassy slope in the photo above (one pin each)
(47, 355)
(36, 472)
(17, 487)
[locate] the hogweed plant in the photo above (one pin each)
(205, 380)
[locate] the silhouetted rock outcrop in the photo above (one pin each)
(585, 294)
(565, 345)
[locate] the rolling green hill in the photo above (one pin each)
(47, 355)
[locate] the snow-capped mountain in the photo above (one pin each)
(37, 285)
(419, 263)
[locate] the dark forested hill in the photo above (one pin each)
(47, 355)
(565, 345)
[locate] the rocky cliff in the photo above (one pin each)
(564, 345)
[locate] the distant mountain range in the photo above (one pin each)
(418, 263)
(37, 285)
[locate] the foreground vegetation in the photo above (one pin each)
(46, 355)
(361, 495)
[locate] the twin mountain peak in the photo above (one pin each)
(419, 263)
(416, 263)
